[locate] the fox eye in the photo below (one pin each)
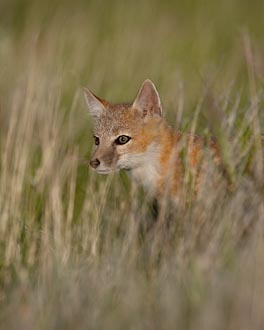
(96, 140)
(122, 139)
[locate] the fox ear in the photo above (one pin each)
(148, 100)
(96, 105)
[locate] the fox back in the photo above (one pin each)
(135, 137)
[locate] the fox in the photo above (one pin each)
(135, 137)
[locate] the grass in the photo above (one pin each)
(73, 249)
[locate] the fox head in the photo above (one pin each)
(125, 134)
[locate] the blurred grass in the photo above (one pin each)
(73, 249)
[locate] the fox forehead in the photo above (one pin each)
(117, 119)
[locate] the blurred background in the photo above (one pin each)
(71, 252)
(113, 46)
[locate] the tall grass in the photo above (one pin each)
(76, 248)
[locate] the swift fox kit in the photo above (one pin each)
(135, 137)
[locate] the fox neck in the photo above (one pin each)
(150, 172)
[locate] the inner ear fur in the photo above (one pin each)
(148, 100)
(96, 105)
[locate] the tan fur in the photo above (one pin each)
(156, 156)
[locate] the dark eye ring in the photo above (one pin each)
(122, 139)
(96, 140)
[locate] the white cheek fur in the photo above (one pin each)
(144, 167)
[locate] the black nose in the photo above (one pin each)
(95, 162)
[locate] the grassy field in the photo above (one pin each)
(73, 250)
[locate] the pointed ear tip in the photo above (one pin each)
(87, 93)
(148, 81)
(85, 90)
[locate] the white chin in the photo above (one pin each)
(103, 171)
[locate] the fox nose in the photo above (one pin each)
(95, 162)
